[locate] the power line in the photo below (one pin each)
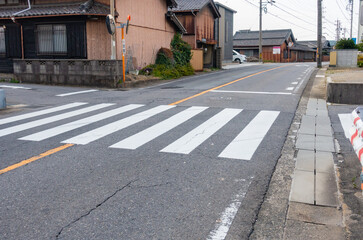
(281, 18)
(296, 11)
(341, 10)
(294, 16)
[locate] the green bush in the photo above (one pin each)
(182, 51)
(165, 57)
(360, 64)
(345, 44)
(174, 63)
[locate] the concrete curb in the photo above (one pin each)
(344, 93)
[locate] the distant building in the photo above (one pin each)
(224, 31)
(327, 46)
(277, 46)
(198, 18)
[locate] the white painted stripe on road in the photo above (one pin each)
(44, 121)
(193, 139)
(222, 227)
(74, 93)
(249, 92)
(78, 124)
(14, 87)
(39, 113)
(157, 130)
(295, 83)
(246, 143)
(347, 123)
(101, 132)
(289, 88)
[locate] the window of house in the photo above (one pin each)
(3, 2)
(2, 41)
(52, 39)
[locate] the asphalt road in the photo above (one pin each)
(184, 159)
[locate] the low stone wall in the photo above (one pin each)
(345, 93)
(344, 58)
(100, 73)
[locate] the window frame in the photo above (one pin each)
(11, 4)
(3, 54)
(37, 40)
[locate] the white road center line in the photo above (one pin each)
(227, 217)
(347, 123)
(157, 130)
(246, 143)
(14, 87)
(289, 88)
(295, 83)
(78, 124)
(194, 138)
(37, 123)
(39, 113)
(103, 131)
(74, 93)
(249, 92)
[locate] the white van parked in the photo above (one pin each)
(237, 57)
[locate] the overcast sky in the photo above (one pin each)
(298, 15)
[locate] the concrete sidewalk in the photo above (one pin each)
(303, 201)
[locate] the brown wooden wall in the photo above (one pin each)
(188, 23)
(205, 24)
(98, 40)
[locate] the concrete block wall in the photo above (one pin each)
(346, 57)
(99, 73)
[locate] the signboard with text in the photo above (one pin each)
(276, 50)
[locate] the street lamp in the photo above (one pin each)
(263, 5)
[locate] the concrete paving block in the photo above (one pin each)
(324, 162)
(315, 214)
(321, 104)
(323, 120)
(305, 141)
(311, 112)
(326, 191)
(324, 143)
(302, 187)
(305, 160)
(322, 113)
(297, 230)
(324, 130)
(307, 125)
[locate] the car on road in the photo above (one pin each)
(237, 57)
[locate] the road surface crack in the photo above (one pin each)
(97, 206)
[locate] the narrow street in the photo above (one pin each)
(184, 159)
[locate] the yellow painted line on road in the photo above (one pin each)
(226, 84)
(42, 155)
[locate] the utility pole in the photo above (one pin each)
(320, 33)
(113, 36)
(351, 18)
(260, 39)
(338, 29)
(263, 6)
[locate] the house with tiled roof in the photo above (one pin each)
(277, 46)
(198, 18)
(76, 29)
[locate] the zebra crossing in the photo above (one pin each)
(242, 147)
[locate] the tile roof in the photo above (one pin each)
(188, 5)
(195, 5)
(302, 47)
(249, 38)
(80, 8)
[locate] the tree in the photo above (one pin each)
(345, 44)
